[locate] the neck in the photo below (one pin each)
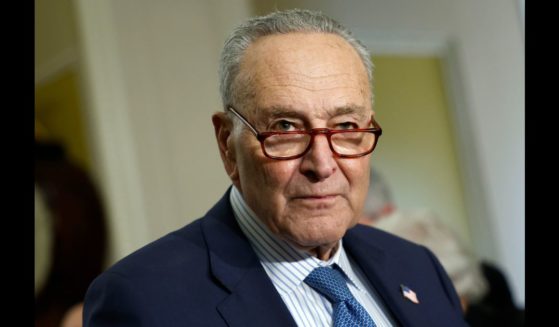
(324, 252)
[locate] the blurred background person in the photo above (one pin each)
(483, 289)
(70, 236)
(379, 203)
(73, 317)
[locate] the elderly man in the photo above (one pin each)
(280, 248)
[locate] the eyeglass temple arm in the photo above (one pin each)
(243, 120)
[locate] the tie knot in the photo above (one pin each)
(330, 283)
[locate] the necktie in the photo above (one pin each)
(347, 311)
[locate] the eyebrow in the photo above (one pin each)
(288, 111)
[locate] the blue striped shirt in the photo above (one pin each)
(288, 266)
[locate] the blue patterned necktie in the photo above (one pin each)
(347, 311)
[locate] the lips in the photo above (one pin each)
(316, 197)
(325, 196)
(322, 193)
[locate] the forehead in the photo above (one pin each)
(315, 72)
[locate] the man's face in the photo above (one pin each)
(302, 81)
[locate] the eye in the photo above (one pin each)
(347, 125)
(283, 126)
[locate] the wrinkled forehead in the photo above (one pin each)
(303, 71)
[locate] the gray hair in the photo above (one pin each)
(379, 194)
(280, 22)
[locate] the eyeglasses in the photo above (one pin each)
(344, 143)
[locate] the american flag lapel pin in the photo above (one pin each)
(409, 294)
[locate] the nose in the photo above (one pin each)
(319, 163)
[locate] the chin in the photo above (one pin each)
(315, 228)
(314, 237)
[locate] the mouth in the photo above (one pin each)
(317, 198)
(326, 196)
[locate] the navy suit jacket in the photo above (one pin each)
(207, 274)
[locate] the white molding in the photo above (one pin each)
(521, 12)
(46, 71)
(481, 225)
(111, 133)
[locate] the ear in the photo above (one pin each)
(223, 128)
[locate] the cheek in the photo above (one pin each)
(276, 176)
(265, 186)
(357, 173)
(263, 174)
(248, 157)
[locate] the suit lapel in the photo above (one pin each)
(386, 274)
(253, 299)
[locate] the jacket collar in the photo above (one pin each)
(235, 265)
(387, 271)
